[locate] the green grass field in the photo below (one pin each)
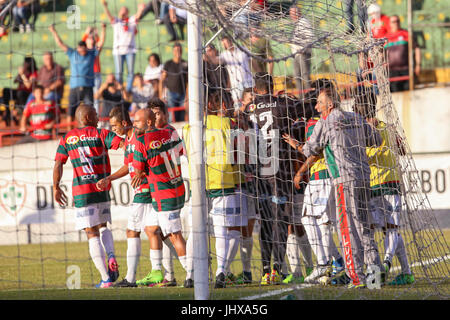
(39, 271)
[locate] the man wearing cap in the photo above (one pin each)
(81, 73)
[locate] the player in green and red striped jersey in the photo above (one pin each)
(158, 151)
(121, 124)
(87, 147)
(42, 115)
(159, 108)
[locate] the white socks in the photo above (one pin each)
(98, 257)
(246, 253)
(167, 260)
(329, 246)
(156, 259)
(133, 255)
(190, 256)
(402, 256)
(293, 255)
(305, 249)
(222, 245)
(106, 238)
(315, 237)
(233, 237)
(390, 243)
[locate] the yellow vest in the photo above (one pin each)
(382, 161)
(220, 172)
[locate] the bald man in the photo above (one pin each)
(87, 147)
(157, 154)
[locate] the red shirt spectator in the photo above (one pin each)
(42, 115)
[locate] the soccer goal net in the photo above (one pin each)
(311, 190)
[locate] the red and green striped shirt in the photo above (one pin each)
(87, 149)
(159, 151)
(141, 193)
(40, 115)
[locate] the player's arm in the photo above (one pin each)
(102, 184)
(304, 170)
(60, 196)
(294, 143)
(57, 38)
(139, 163)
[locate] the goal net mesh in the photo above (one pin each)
(40, 248)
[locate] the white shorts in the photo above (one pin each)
(168, 221)
(250, 203)
(296, 214)
(92, 215)
(136, 216)
(386, 209)
(227, 211)
(319, 200)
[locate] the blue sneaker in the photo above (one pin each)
(337, 267)
(104, 284)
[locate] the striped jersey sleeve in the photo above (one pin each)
(61, 153)
(110, 139)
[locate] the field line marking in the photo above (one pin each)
(304, 286)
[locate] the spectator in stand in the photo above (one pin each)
(176, 16)
(92, 39)
(216, 75)
(260, 47)
(153, 72)
(81, 73)
(22, 13)
(237, 63)
(110, 94)
(175, 78)
(141, 94)
(51, 77)
(362, 14)
(124, 44)
(42, 115)
(26, 79)
(303, 34)
(398, 57)
(378, 23)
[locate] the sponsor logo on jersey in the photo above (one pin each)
(156, 144)
(72, 140)
(263, 105)
(89, 177)
(252, 107)
(85, 138)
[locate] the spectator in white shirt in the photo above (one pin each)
(124, 45)
(153, 71)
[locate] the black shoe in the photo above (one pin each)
(125, 284)
(220, 281)
(188, 283)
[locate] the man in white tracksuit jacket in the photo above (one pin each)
(343, 137)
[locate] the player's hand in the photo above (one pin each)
(298, 179)
(60, 196)
(102, 184)
(51, 28)
(137, 181)
(289, 140)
